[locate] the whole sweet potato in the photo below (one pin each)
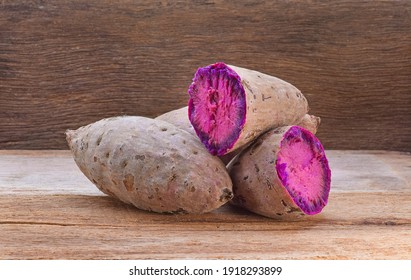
(151, 164)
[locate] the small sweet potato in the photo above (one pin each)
(151, 164)
(283, 174)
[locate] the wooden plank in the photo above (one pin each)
(42, 172)
(68, 63)
(50, 211)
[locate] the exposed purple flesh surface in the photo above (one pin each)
(217, 107)
(303, 170)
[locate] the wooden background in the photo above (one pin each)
(67, 63)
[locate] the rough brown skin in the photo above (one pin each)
(256, 185)
(151, 164)
(179, 118)
(271, 102)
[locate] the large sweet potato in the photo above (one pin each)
(151, 164)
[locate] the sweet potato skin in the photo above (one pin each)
(151, 164)
(179, 118)
(271, 102)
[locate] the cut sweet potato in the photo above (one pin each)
(231, 106)
(283, 174)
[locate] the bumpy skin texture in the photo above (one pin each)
(179, 118)
(151, 164)
(284, 174)
(231, 106)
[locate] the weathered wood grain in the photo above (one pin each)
(67, 63)
(50, 211)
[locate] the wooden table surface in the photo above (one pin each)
(49, 210)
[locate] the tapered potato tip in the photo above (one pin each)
(69, 135)
(310, 122)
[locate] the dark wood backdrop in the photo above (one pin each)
(68, 63)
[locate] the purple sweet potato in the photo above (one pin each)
(179, 118)
(151, 164)
(283, 174)
(231, 106)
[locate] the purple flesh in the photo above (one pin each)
(217, 107)
(303, 170)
